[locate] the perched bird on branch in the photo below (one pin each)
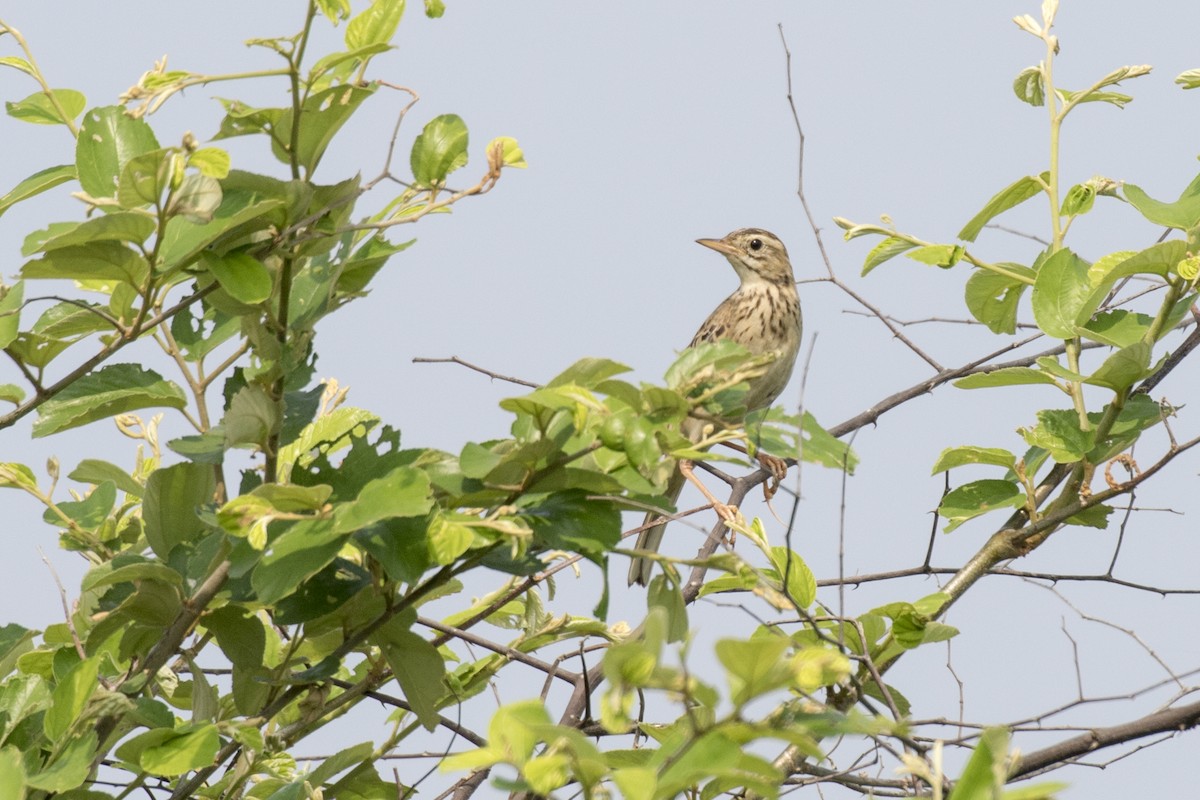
(763, 316)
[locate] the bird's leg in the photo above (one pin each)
(725, 511)
(778, 468)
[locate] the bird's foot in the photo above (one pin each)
(778, 468)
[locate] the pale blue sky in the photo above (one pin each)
(646, 126)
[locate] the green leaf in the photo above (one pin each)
(21, 65)
(321, 117)
(588, 373)
(15, 641)
(12, 767)
(1079, 200)
(11, 393)
(173, 495)
(1123, 368)
(1105, 264)
(885, 250)
(418, 668)
(801, 584)
(70, 769)
(1029, 86)
(376, 25)
(196, 199)
(107, 575)
(99, 261)
(88, 513)
(953, 457)
(572, 520)
(820, 447)
(115, 389)
(70, 696)
(1059, 433)
(1117, 328)
(240, 634)
(38, 108)
(120, 226)
(212, 162)
(108, 138)
(439, 149)
(251, 417)
(937, 255)
(979, 497)
(1012, 195)
(203, 448)
(10, 312)
(1183, 214)
(511, 154)
(37, 183)
(1114, 98)
(754, 667)
(358, 270)
(145, 177)
(993, 298)
(1006, 376)
(403, 492)
(294, 556)
(987, 770)
(17, 476)
(1158, 260)
(243, 276)
(1059, 293)
(1092, 517)
(95, 471)
(175, 752)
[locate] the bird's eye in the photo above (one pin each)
(756, 244)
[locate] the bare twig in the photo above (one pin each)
(493, 375)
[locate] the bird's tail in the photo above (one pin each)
(650, 539)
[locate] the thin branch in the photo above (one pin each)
(100, 356)
(493, 375)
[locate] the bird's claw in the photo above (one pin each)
(778, 468)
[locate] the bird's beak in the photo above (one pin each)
(720, 246)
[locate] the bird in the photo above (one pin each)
(763, 316)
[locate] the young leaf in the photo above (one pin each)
(1183, 214)
(1012, 195)
(11, 300)
(1158, 259)
(439, 149)
(886, 250)
(1123, 368)
(40, 110)
(1060, 291)
(979, 497)
(969, 454)
(1059, 433)
(937, 255)
(37, 183)
(993, 298)
(321, 117)
(1007, 376)
(376, 25)
(1029, 86)
(1189, 79)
